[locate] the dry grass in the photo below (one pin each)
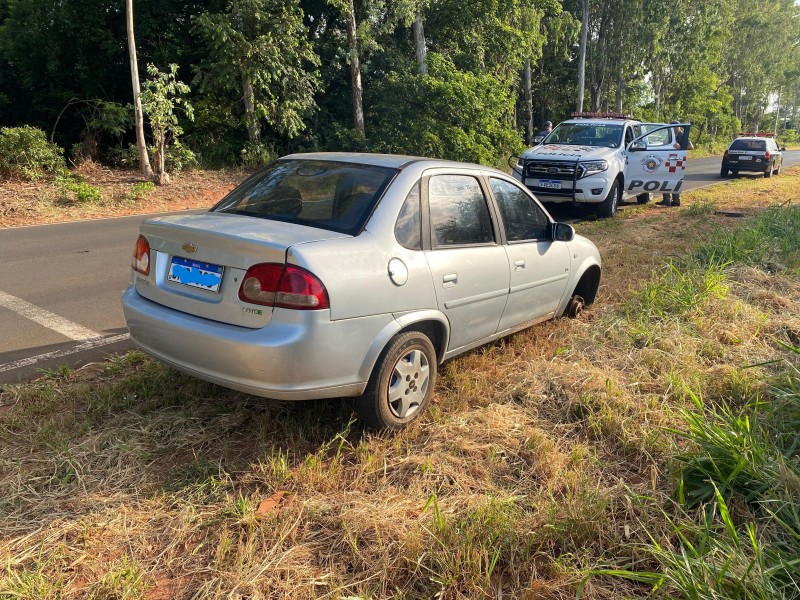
(129, 480)
(31, 203)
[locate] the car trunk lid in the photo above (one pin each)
(198, 262)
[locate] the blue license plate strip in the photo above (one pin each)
(553, 184)
(195, 273)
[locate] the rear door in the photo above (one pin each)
(655, 161)
(467, 262)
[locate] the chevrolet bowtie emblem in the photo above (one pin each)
(189, 247)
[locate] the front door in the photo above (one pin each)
(468, 264)
(539, 266)
(656, 160)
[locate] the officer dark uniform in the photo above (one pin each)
(675, 198)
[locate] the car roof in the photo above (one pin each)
(753, 138)
(600, 120)
(393, 161)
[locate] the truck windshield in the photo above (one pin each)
(586, 134)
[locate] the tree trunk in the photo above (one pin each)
(141, 145)
(778, 112)
(582, 59)
(620, 84)
(355, 71)
(250, 116)
(528, 100)
(161, 177)
(419, 38)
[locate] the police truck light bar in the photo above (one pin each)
(602, 115)
(765, 134)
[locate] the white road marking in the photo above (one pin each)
(50, 320)
(86, 345)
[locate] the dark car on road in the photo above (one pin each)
(758, 154)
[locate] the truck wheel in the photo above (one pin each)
(608, 208)
(401, 385)
(643, 198)
(723, 172)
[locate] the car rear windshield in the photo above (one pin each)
(328, 194)
(756, 145)
(586, 134)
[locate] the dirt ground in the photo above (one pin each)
(122, 193)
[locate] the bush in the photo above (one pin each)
(180, 158)
(140, 190)
(74, 189)
(25, 152)
(257, 155)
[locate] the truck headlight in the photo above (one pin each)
(593, 167)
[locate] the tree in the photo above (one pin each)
(260, 49)
(162, 96)
(144, 161)
(582, 59)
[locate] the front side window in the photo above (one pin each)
(327, 194)
(459, 213)
(522, 218)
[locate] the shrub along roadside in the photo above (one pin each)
(734, 523)
(26, 153)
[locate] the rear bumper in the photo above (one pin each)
(300, 355)
(747, 166)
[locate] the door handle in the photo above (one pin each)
(450, 280)
(519, 264)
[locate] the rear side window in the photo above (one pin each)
(459, 213)
(408, 228)
(751, 145)
(327, 194)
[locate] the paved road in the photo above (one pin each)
(60, 286)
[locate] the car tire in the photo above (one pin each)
(608, 208)
(778, 170)
(643, 198)
(723, 173)
(402, 382)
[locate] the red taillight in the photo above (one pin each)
(140, 261)
(766, 155)
(272, 284)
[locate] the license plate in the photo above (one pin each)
(195, 274)
(550, 184)
(745, 157)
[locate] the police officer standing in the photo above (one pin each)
(547, 128)
(675, 198)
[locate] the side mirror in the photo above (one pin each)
(783, 148)
(638, 146)
(563, 232)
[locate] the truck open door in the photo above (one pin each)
(655, 161)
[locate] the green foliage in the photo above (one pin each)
(140, 189)
(680, 288)
(162, 98)
(259, 51)
(446, 113)
(770, 241)
(73, 189)
(25, 152)
(257, 155)
(180, 158)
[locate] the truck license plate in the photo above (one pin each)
(550, 184)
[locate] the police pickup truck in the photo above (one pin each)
(602, 158)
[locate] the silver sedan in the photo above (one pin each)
(330, 274)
